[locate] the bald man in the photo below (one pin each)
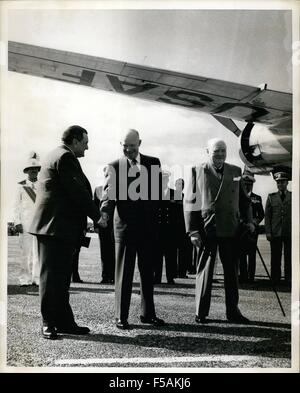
(214, 204)
(131, 196)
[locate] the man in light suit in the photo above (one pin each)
(278, 223)
(214, 203)
(131, 197)
(64, 200)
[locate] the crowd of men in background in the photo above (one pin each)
(186, 231)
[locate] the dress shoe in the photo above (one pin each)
(105, 281)
(171, 282)
(122, 324)
(239, 318)
(200, 319)
(49, 332)
(77, 279)
(153, 321)
(73, 329)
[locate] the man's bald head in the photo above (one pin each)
(130, 141)
(216, 149)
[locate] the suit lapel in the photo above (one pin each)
(227, 178)
(213, 178)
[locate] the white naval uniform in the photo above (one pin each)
(29, 263)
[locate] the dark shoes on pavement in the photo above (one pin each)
(153, 321)
(73, 329)
(200, 319)
(107, 281)
(49, 332)
(122, 324)
(171, 282)
(77, 279)
(239, 318)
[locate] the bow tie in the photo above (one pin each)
(220, 170)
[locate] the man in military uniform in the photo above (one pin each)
(278, 228)
(23, 211)
(249, 243)
(166, 248)
(183, 245)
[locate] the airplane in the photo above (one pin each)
(265, 141)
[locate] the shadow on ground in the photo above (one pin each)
(266, 342)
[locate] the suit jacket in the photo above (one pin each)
(167, 211)
(133, 215)
(98, 196)
(206, 195)
(278, 215)
(257, 208)
(24, 205)
(64, 198)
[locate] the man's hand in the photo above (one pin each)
(251, 227)
(103, 220)
(19, 228)
(268, 236)
(196, 239)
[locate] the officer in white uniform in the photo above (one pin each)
(25, 198)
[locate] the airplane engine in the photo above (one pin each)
(266, 149)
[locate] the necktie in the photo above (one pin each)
(134, 165)
(219, 172)
(282, 196)
(33, 186)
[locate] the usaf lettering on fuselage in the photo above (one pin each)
(130, 86)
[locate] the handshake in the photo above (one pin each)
(103, 221)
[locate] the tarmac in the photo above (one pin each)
(181, 346)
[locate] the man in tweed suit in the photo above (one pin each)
(214, 204)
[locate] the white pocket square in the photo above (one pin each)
(237, 178)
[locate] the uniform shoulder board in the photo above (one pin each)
(23, 182)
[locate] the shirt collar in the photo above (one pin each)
(67, 147)
(137, 158)
(30, 183)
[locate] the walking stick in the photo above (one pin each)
(274, 289)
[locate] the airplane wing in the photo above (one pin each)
(216, 97)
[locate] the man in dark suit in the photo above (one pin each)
(64, 200)
(214, 203)
(131, 193)
(249, 242)
(278, 223)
